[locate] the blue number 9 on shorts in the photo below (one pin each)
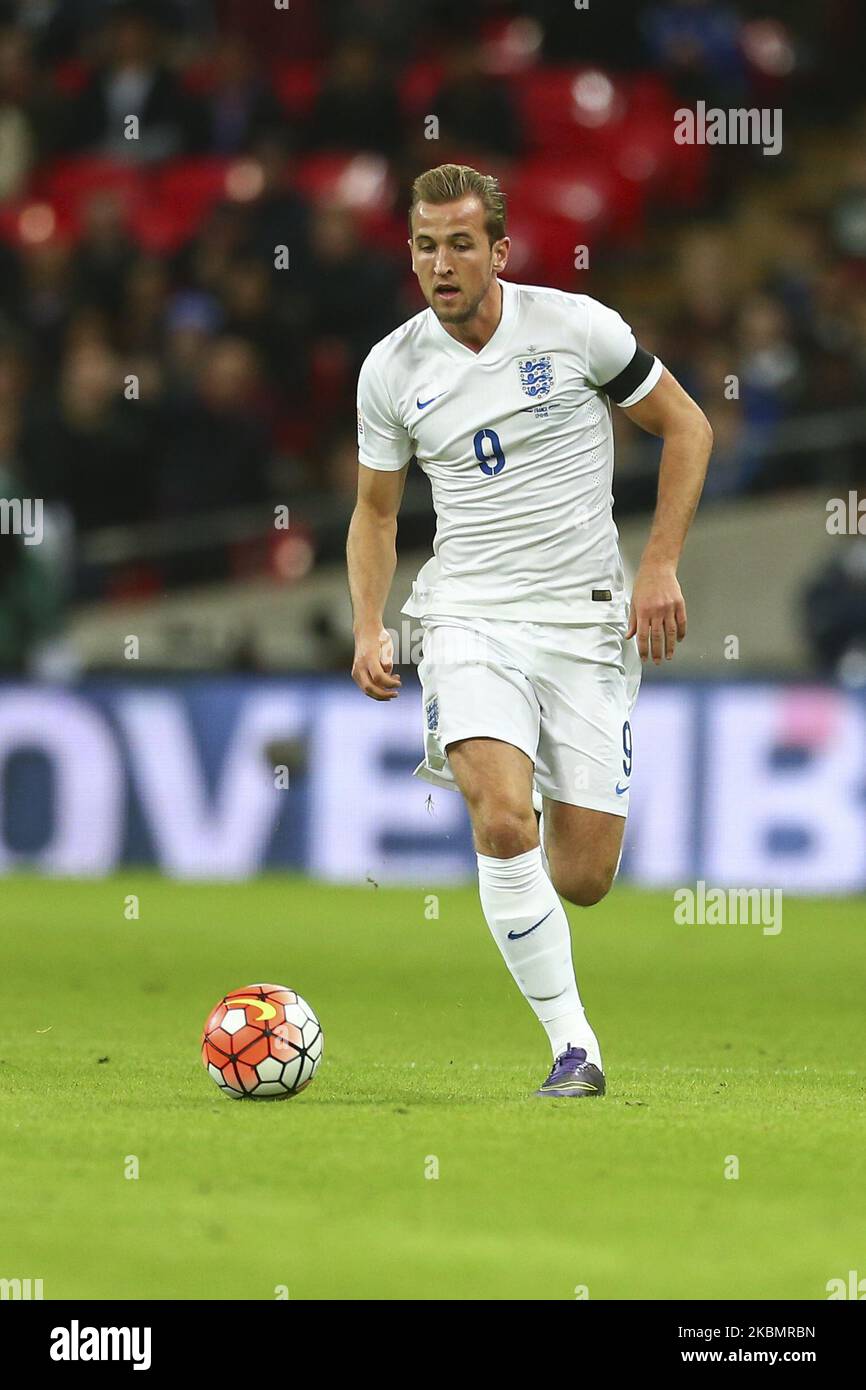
(626, 748)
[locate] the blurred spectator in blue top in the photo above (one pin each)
(241, 107)
(697, 44)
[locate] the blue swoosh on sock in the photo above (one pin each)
(516, 935)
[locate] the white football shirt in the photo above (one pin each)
(517, 441)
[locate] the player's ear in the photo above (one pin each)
(501, 249)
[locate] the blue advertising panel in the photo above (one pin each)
(760, 784)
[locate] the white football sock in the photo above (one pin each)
(529, 925)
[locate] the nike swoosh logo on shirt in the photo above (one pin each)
(621, 791)
(422, 405)
(516, 935)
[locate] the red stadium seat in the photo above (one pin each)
(31, 222)
(296, 86)
(569, 111)
(645, 154)
(197, 185)
(296, 432)
(69, 184)
(186, 191)
(330, 375)
(418, 84)
(71, 76)
(588, 195)
(199, 77)
(161, 228)
(510, 44)
(297, 30)
(542, 248)
(649, 94)
(360, 181)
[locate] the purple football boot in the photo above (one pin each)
(572, 1075)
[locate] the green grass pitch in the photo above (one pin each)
(718, 1042)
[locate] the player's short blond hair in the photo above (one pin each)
(448, 182)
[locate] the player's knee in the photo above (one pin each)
(583, 887)
(503, 831)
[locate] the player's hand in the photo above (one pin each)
(658, 612)
(372, 669)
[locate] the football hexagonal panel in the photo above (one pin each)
(295, 1014)
(234, 1020)
(271, 1069)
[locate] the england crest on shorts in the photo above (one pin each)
(536, 375)
(432, 711)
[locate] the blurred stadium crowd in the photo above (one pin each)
(185, 301)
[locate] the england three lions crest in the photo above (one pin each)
(536, 375)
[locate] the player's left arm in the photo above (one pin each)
(658, 610)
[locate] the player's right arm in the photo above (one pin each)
(372, 556)
(384, 452)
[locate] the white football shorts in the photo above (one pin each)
(563, 693)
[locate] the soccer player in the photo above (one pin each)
(532, 647)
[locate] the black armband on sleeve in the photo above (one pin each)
(631, 377)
